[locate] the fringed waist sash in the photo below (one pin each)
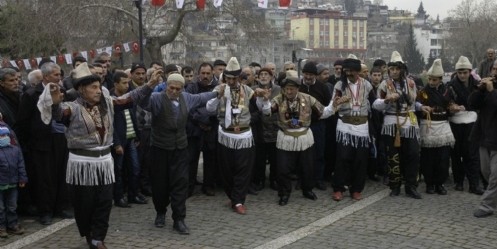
(90, 167)
(355, 135)
(239, 140)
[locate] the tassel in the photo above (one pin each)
(396, 142)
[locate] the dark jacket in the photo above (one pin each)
(9, 106)
(320, 92)
(120, 126)
(485, 68)
(459, 93)
(31, 131)
(200, 116)
(12, 169)
(484, 131)
(265, 128)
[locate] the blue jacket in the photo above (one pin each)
(12, 169)
(120, 121)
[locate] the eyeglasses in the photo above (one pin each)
(291, 68)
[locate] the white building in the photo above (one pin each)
(430, 39)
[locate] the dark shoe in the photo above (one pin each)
(440, 189)
(122, 203)
(3, 233)
(478, 213)
(251, 191)
(273, 185)
(459, 187)
(337, 196)
(46, 219)
(310, 195)
(412, 192)
(374, 178)
(180, 227)
(476, 190)
(160, 220)
(395, 192)
(240, 209)
(139, 199)
(430, 189)
(65, 214)
(257, 186)
(17, 230)
(321, 185)
(209, 191)
(284, 200)
(147, 192)
(357, 196)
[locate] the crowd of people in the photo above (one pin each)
(98, 138)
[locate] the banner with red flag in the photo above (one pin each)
(284, 4)
(200, 4)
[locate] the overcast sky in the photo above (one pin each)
(432, 7)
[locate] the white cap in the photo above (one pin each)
(436, 70)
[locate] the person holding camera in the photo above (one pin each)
(484, 100)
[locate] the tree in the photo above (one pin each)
(350, 7)
(472, 29)
(412, 56)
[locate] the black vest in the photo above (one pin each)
(169, 133)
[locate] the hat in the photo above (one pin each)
(436, 70)
(310, 67)
(170, 68)
(352, 64)
(82, 76)
(396, 60)
(137, 65)
(463, 63)
(321, 68)
(352, 56)
(220, 63)
(233, 68)
(338, 62)
(176, 77)
(4, 131)
(291, 79)
(265, 69)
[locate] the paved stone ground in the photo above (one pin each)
(401, 222)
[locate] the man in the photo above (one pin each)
(364, 71)
(265, 129)
(464, 156)
(337, 67)
(201, 130)
(219, 66)
(10, 95)
(169, 173)
(187, 73)
(76, 61)
(157, 65)
(397, 99)
(324, 75)
(295, 142)
(350, 101)
(288, 66)
(99, 70)
(34, 77)
(168, 70)
(382, 65)
(89, 122)
(105, 59)
(47, 148)
(377, 161)
(486, 65)
(435, 132)
(250, 74)
(493, 73)
(124, 151)
(320, 92)
(236, 150)
(484, 100)
(272, 67)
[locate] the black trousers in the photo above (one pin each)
(319, 132)
(351, 167)
(403, 162)
(50, 167)
(330, 147)
(144, 157)
(195, 146)
(299, 161)
(170, 181)
(236, 168)
(465, 155)
(265, 151)
(92, 206)
(435, 164)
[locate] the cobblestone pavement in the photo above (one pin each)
(378, 221)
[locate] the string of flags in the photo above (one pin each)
(115, 50)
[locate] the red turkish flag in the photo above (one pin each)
(92, 53)
(60, 59)
(200, 4)
(117, 50)
(285, 3)
(135, 47)
(75, 53)
(157, 3)
(20, 64)
(33, 62)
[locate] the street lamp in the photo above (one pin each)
(138, 4)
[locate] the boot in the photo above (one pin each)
(412, 192)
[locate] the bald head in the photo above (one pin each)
(490, 54)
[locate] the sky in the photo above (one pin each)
(432, 7)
